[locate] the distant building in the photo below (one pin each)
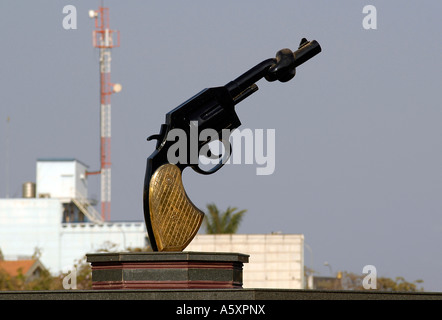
(276, 260)
(55, 217)
(30, 268)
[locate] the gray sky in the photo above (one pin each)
(358, 130)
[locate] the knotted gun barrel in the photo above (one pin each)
(282, 68)
(172, 220)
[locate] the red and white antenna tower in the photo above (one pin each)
(105, 39)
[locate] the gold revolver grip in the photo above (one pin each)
(174, 218)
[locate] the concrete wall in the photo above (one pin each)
(276, 260)
(28, 224)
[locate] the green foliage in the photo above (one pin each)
(399, 284)
(351, 281)
(225, 222)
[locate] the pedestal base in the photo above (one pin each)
(167, 270)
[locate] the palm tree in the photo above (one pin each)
(226, 222)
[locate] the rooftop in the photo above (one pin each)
(14, 267)
(61, 160)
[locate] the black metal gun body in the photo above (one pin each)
(212, 108)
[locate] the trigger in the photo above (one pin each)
(222, 162)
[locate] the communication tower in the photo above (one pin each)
(105, 39)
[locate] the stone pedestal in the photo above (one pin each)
(167, 270)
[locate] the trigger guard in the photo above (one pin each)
(206, 149)
(221, 163)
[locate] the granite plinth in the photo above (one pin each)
(254, 294)
(167, 270)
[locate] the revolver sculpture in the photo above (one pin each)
(172, 220)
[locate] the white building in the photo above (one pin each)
(55, 218)
(63, 179)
